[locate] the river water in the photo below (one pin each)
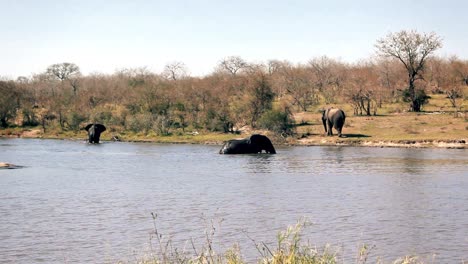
(79, 203)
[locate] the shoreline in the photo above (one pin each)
(423, 143)
(306, 141)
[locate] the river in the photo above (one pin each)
(79, 203)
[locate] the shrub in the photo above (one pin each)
(138, 123)
(29, 118)
(279, 122)
(75, 119)
(161, 125)
(421, 98)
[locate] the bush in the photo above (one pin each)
(29, 118)
(279, 122)
(74, 120)
(104, 117)
(420, 98)
(139, 123)
(161, 125)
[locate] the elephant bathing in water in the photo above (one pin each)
(333, 118)
(251, 145)
(94, 132)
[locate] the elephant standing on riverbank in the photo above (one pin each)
(252, 145)
(333, 118)
(94, 132)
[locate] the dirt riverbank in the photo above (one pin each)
(214, 139)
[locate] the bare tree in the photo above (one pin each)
(412, 50)
(277, 71)
(328, 76)
(299, 86)
(65, 72)
(175, 71)
(362, 86)
(232, 64)
(447, 76)
(9, 102)
(389, 71)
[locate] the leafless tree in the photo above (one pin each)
(328, 76)
(412, 50)
(175, 71)
(232, 64)
(65, 72)
(449, 76)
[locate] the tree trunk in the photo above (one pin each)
(415, 105)
(368, 110)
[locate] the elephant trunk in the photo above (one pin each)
(269, 147)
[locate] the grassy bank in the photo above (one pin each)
(389, 129)
(436, 126)
(406, 129)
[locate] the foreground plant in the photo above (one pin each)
(289, 249)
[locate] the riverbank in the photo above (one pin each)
(218, 139)
(408, 130)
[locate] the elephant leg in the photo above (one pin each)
(339, 132)
(330, 126)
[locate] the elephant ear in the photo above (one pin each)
(88, 127)
(100, 128)
(323, 111)
(255, 139)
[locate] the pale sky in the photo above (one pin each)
(104, 36)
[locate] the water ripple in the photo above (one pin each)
(79, 203)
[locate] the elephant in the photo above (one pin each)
(94, 132)
(333, 118)
(252, 145)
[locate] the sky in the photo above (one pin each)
(105, 36)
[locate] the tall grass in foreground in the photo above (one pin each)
(289, 249)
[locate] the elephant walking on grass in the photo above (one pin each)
(252, 145)
(94, 132)
(333, 118)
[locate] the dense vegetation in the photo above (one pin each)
(237, 93)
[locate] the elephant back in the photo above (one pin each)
(331, 112)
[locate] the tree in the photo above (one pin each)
(455, 90)
(65, 72)
(361, 89)
(9, 102)
(412, 49)
(299, 86)
(261, 96)
(232, 64)
(175, 71)
(449, 77)
(390, 83)
(327, 76)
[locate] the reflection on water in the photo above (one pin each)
(76, 203)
